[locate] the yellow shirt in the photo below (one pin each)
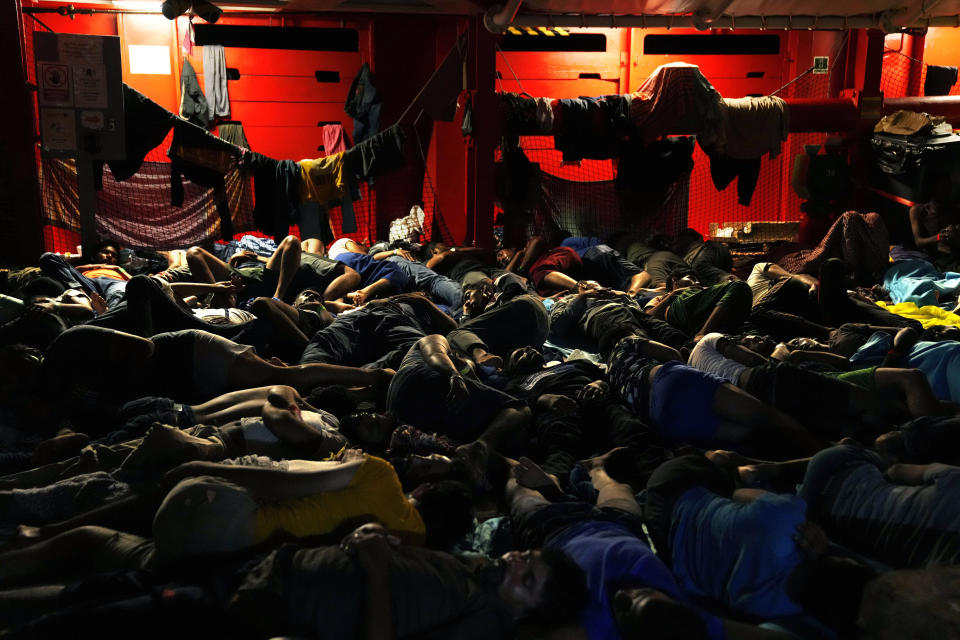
(374, 491)
(321, 180)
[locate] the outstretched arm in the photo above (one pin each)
(303, 477)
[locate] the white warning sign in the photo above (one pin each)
(90, 86)
(55, 89)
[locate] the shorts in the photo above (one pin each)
(670, 481)
(417, 395)
(681, 401)
(124, 550)
(205, 358)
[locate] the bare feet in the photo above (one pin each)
(59, 448)
(529, 474)
(600, 462)
(725, 458)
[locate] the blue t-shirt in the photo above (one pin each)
(738, 554)
(613, 558)
(580, 244)
(939, 362)
(371, 270)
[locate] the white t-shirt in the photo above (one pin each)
(707, 357)
(338, 247)
(759, 281)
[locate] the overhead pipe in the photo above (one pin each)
(886, 21)
(499, 17)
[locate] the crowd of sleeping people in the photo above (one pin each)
(408, 441)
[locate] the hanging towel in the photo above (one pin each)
(363, 105)
(187, 41)
(193, 104)
(939, 80)
(276, 188)
(335, 139)
(321, 180)
(754, 127)
(215, 80)
(233, 133)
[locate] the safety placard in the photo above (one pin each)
(54, 84)
(80, 95)
(58, 130)
(90, 86)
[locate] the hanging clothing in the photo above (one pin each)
(724, 170)
(145, 125)
(674, 93)
(215, 81)
(438, 98)
(276, 187)
(751, 128)
(335, 139)
(592, 127)
(233, 133)
(377, 155)
(939, 80)
(652, 168)
(363, 105)
(204, 159)
(193, 104)
(754, 127)
(321, 180)
(314, 222)
(187, 42)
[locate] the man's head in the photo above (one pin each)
(477, 296)
(505, 255)
(545, 585)
(523, 361)
(434, 248)
(447, 511)
(685, 239)
(308, 297)
(653, 615)
(681, 277)
(367, 428)
(106, 252)
(939, 333)
(758, 343)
